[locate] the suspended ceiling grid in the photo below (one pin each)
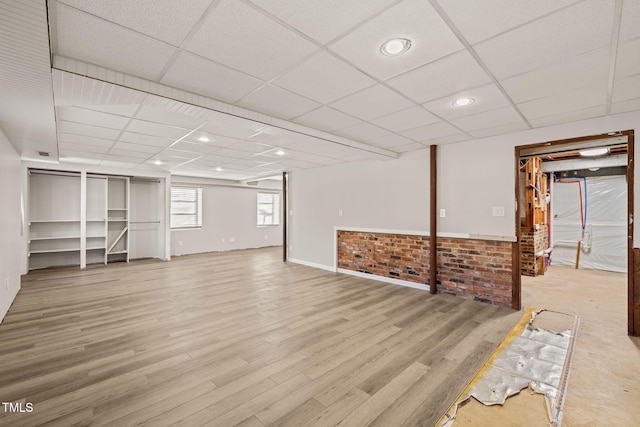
(318, 65)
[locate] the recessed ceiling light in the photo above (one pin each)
(395, 47)
(157, 162)
(218, 169)
(203, 139)
(280, 152)
(594, 152)
(461, 102)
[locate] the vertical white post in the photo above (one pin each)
(83, 219)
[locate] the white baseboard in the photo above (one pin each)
(385, 279)
(312, 264)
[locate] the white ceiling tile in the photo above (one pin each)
(155, 129)
(449, 139)
(207, 78)
(237, 35)
(330, 17)
(431, 39)
(82, 139)
(277, 102)
(70, 146)
(110, 46)
(626, 88)
(409, 147)
(119, 163)
(425, 133)
(251, 147)
(487, 98)
(130, 154)
(81, 154)
(499, 130)
(234, 154)
(628, 59)
(326, 119)
(564, 102)
(324, 78)
(410, 118)
(488, 119)
(440, 78)
(480, 20)
(195, 147)
(373, 102)
(149, 149)
(363, 131)
(624, 106)
(571, 116)
(572, 31)
(580, 71)
(87, 130)
(89, 117)
(68, 157)
(155, 114)
(138, 138)
(630, 24)
(389, 141)
(169, 21)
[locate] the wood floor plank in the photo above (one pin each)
(235, 338)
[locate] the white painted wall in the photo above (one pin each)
(391, 194)
(473, 177)
(11, 241)
(227, 212)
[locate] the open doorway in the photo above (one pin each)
(575, 208)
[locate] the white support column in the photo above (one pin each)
(83, 219)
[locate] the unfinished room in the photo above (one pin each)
(319, 213)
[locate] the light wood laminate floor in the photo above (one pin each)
(236, 338)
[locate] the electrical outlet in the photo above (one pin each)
(443, 213)
(339, 212)
(266, 237)
(232, 239)
(179, 242)
(291, 212)
(498, 211)
(224, 240)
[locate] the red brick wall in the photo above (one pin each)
(473, 269)
(532, 242)
(476, 269)
(398, 256)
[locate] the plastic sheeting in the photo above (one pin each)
(604, 207)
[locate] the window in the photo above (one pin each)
(186, 207)
(268, 209)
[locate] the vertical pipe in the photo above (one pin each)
(433, 226)
(285, 215)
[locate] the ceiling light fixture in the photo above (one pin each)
(395, 47)
(280, 152)
(593, 152)
(203, 139)
(462, 102)
(218, 169)
(157, 162)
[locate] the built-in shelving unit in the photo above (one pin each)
(118, 219)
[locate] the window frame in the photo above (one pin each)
(275, 206)
(198, 208)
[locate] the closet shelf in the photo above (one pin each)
(52, 220)
(50, 251)
(53, 238)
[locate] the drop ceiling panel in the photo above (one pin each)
(89, 117)
(372, 102)
(152, 114)
(139, 138)
(207, 78)
(170, 23)
(76, 147)
(111, 46)
(277, 102)
(500, 130)
(624, 106)
(148, 149)
(489, 119)
(82, 139)
(87, 130)
(630, 24)
(234, 35)
(626, 88)
(571, 116)
(431, 39)
(155, 129)
(324, 78)
(327, 119)
(331, 18)
(564, 102)
(363, 131)
(440, 78)
(580, 71)
(409, 147)
(194, 147)
(628, 60)
(426, 133)
(487, 98)
(410, 118)
(479, 20)
(572, 31)
(129, 154)
(251, 147)
(234, 154)
(389, 141)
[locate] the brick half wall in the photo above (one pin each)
(473, 269)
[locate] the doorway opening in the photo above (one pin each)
(575, 209)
